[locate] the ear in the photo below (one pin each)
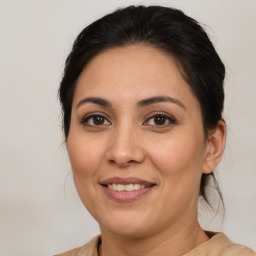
(215, 147)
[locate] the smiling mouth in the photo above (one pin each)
(126, 189)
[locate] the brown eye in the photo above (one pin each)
(95, 120)
(160, 120)
(98, 120)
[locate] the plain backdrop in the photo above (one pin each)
(40, 212)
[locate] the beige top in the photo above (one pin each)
(218, 245)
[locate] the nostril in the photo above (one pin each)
(112, 161)
(120, 163)
(131, 161)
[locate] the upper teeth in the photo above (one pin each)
(128, 187)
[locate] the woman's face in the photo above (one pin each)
(136, 142)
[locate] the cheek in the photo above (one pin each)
(85, 156)
(175, 156)
(179, 163)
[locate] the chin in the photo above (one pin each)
(127, 225)
(129, 231)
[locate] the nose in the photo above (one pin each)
(125, 147)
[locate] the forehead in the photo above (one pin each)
(132, 72)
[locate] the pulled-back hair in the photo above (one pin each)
(168, 30)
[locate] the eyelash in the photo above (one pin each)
(85, 120)
(166, 117)
(170, 119)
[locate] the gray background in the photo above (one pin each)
(40, 213)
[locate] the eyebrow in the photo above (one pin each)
(95, 100)
(140, 104)
(160, 99)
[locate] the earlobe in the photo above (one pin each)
(215, 147)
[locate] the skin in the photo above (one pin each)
(129, 143)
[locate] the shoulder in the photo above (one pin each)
(238, 250)
(89, 249)
(220, 244)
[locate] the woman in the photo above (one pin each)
(142, 98)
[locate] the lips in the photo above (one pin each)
(126, 189)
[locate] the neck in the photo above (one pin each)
(174, 241)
